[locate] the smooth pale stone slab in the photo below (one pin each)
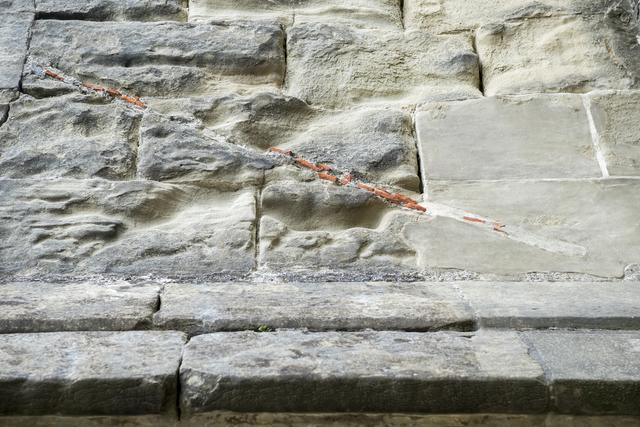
(293, 371)
(40, 133)
(138, 228)
(558, 54)
(76, 306)
(591, 372)
(586, 226)
(507, 138)
(158, 58)
(442, 16)
(620, 143)
(521, 305)
(89, 373)
(112, 10)
(361, 13)
(202, 308)
(14, 34)
(335, 65)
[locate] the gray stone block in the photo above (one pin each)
(591, 372)
(210, 307)
(520, 305)
(91, 305)
(370, 371)
(507, 138)
(89, 373)
(112, 10)
(14, 33)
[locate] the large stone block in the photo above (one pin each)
(133, 228)
(361, 13)
(72, 136)
(165, 58)
(614, 114)
(294, 371)
(87, 305)
(522, 305)
(112, 10)
(202, 308)
(507, 138)
(558, 54)
(14, 34)
(334, 65)
(588, 226)
(89, 373)
(591, 372)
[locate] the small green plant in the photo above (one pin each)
(264, 328)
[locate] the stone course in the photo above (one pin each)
(447, 234)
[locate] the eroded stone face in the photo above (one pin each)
(333, 65)
(112, 10)
(165, 58)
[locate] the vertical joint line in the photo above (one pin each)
(402, 23)
(286, 59)
(421, 173)
(595, 137)
(256, 239)
(474, 40)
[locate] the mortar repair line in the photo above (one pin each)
(595, 137)
(327, 173)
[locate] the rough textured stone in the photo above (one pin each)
(159, 58)
(591, 372)
(89, 373)
(201, 308)
(72, 136)
(334, 65)
(507, 138)
(137, 227)
(558, 54)
(370, 371)
(14, 33)
(75, 306)
(320, 226)
(554, 305)
(112, 10)
(599, 216)
(613, 114)
(365, 13)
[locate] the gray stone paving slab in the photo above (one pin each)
(90, 305)
(613, 113)
(507, 138)
(112, 10)
(367, 371)
(89, 373)
(520, 305)
(210, 307)
(597, 215)
(591, 372)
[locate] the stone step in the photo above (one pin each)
(197, 308)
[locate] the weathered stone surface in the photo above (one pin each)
(520, 305)
(202, 308)
(370, 371)
(179, 151)
(558, 54)
(365, 13)
(334, 65)
(598, 216)
(14, 33)
(112, 10)
(71, 136)
(165, 58)
(321, 226)
(89, 373)
(137, 228)
(613, 113)
(75, 306)
(460, 15)
(507, 138)
(591, 372)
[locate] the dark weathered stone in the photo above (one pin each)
(112, 10)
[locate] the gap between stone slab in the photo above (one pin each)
(480, 73)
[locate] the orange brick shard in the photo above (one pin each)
(53, 75)
(365, 187)
(415, 206)
(472, 219)
(346, 179)
(327, 176)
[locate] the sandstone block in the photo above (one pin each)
(507, 138)
(89, 373)
(294, 371)
(95, 305)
